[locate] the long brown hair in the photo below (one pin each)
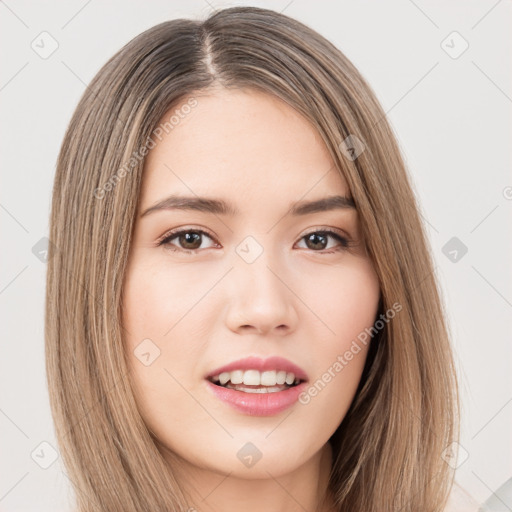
(389, 451)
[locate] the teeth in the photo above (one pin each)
(236, 377)
(224, 377)
(256, 378)
(252, 378)
(281, 377)
(290, 378)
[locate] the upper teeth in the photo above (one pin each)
(256, 378)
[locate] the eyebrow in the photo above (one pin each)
(221, 207)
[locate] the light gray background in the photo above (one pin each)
(452, 119)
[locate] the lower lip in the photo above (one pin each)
(258, 404)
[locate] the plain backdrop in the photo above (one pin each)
(442, 73)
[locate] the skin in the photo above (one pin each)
(210, 307)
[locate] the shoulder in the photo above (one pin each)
(460, 500)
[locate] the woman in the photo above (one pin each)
(242, 310)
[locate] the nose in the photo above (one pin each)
(260, 300)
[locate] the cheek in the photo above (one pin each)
(348, 306)
(355, 303)
(165, 335)
(344, 299)
(158, 298)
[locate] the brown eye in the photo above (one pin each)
(188, 240)
(316, 241)
(319, 240)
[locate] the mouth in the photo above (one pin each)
(257, 394)
(253, 381)
(258, 387)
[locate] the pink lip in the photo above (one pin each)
(258, 404)
(255, 363)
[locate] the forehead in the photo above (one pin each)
(244, 145)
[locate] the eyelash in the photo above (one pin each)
(166, 239)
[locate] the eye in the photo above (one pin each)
(189, 240)
(319, 241)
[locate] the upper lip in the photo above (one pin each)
(256, 363)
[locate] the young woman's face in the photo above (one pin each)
(259, 280)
